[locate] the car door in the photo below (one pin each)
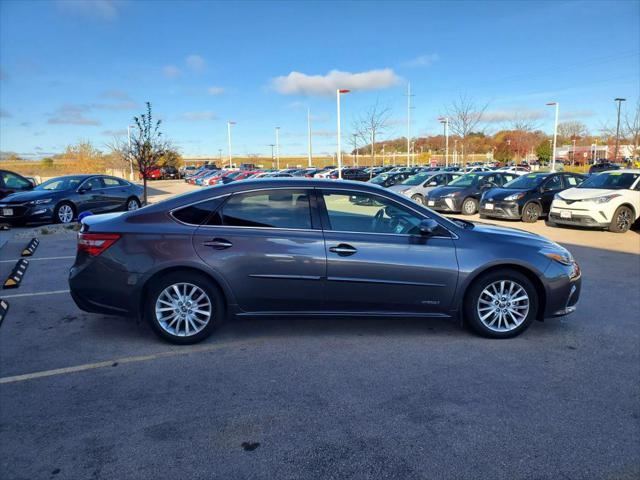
(115, 193)
(552, 185)
(268, 245)
(12, 183)
(91, 196)
(378, 262)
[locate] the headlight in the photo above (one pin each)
(605, 198)
(39, 202)
(515, 196)
(405, 191)
(557, 197)
(558, 254)
(450, 195)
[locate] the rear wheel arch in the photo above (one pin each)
(530, 274)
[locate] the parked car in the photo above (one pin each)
(608, 200)
(186, 263)
(463, 194)
(527, 197)
(11, 182)
(324, 172)
(603, 167)
(187, 170)
(61, 199)
(389, 179)
(348, 173)
(517, 170)
(418, 186)
(169, 173)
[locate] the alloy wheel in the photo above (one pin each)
(623, 220)
(503, 306)
(183, 309)
(132, 205)
(469, 207)
(65, 213)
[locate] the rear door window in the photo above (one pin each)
(268, 209)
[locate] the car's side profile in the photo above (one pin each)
(608, 200)
(314, 247)
(418, 186)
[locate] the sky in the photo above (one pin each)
(80, 70)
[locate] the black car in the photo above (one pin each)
(463, 194)
(11, 182)
(62, 199)
(527, 197)
(355, 174)
(169, 172)
(603, 167)
(299, 247)
(387, 180)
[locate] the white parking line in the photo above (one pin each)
(52, 292)
(119, 361)
(36, 259)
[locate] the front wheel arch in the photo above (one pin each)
(530, 274)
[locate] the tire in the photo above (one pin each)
(478, 301)
(531, 212)
(622, 220)
(131, 201)
(64, 212)
(418, 199)
(469, 206)
(159, 295)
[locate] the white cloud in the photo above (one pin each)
(297, 83)
(422, 61)
(115, 133)
(171, 71)
(198, 116)
(104, 9)
(576, 114)
(499, 116)
(70, 114)
(195, 62)
(214, 90)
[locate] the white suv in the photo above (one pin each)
(605, 200)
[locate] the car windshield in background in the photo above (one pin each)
(60, 184)
(467, 180)
(526, 181)
(380, 178)
(610, 181)
(417, 179)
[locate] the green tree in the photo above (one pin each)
(543, 151)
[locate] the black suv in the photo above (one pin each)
(527, 197)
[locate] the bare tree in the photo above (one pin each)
(523, 123)
(371, 125)
(464, 117)
(631, 129)
(572, 130)
(147, 145)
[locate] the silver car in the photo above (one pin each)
(418, 186)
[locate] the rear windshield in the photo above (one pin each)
(610, 181)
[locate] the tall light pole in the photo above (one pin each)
(615, 153)
(573, 157)
(220, 155)
(309, 159)
(355, 148)
(408, 123)
(339, 155)
(555, 135)
(278, 148)
(595, 151)
(445, 122)
(129, 127)
(229, 123)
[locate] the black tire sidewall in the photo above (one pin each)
(418, 199)
(524, 210)
(475, 205)
(471, 299)
(613, 227)
(158, 285)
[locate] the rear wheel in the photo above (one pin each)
(184, 307)
(622, 220)
(469, 206)
(531, 212)
(501, 304)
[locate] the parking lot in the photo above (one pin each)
(93, 396)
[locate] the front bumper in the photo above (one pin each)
(564, 283)
(23, 213)
(448, 204)
(509, 210)
(579, 218)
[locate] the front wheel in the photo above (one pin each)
(531, 212)
(184, 307)
(622, 220)
(501, 304)
(64, 213)
(418, 199)
(132, 204)
(469, 206)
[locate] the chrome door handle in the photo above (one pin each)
(343, 249)
(218, 244)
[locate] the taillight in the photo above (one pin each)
(96, 243)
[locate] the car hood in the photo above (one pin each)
(501, 193)
(442, 191)
(586, 193)
(400, 188)
(30, 195)
(513, 233)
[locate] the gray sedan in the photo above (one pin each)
(418, 186)
(314, 247)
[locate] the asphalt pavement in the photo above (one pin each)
(94, 396)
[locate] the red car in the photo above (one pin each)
(154, 174)
(218, 178)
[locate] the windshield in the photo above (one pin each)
(467, 180)
(610, 181)
(525, 182)
(416, 179)
(60, 184)
(380, 178)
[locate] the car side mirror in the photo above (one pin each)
(432, 184)
(428, 227)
